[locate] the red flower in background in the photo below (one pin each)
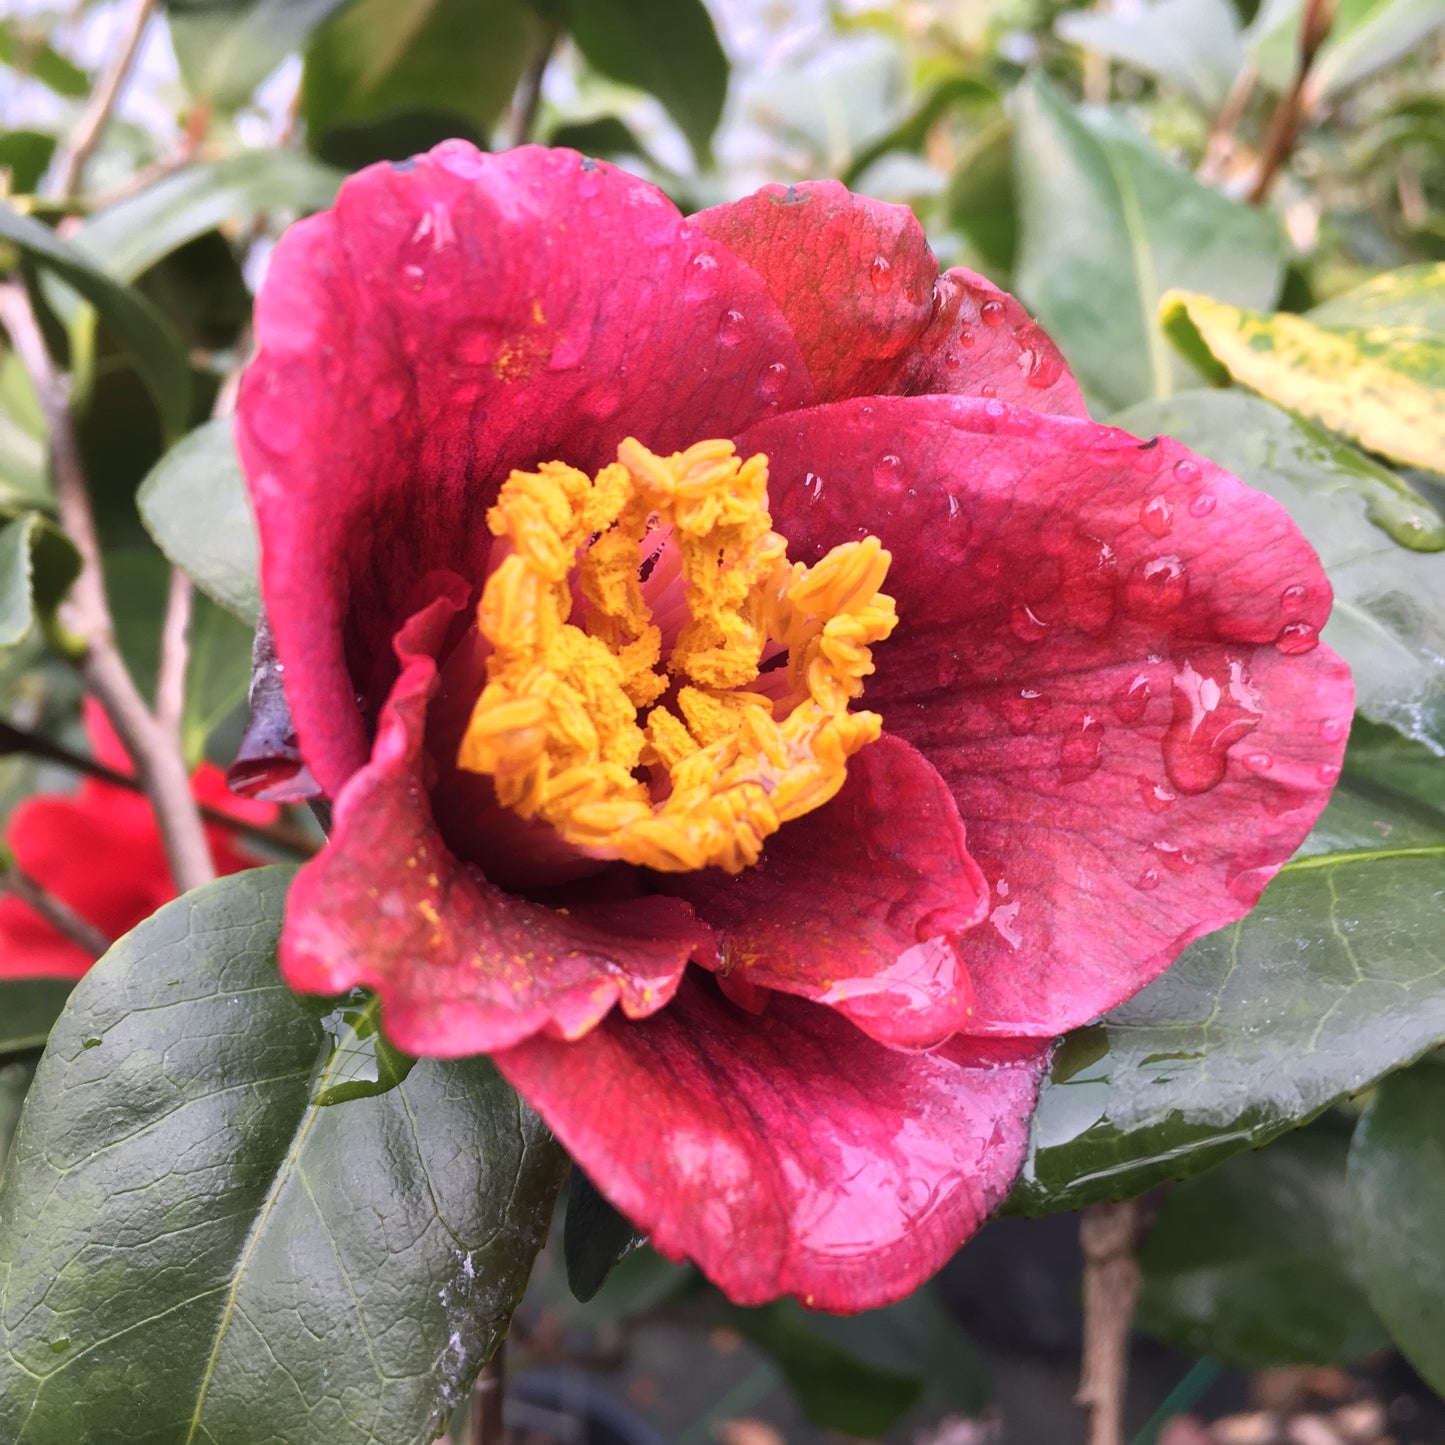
(1105, 720)
(99, 850)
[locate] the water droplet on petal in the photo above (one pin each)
(1258, 762)
(1175, 858)
(774, 379)
(988, 389)
(702, 277)
(730, 328)
(881, 274)
(1081, 753)
(1157, 516)
(1327, 773)
(1188, 472)
(1294, 600)
(1297, 637)
(813, 484)
(991, 313)
(1158, 585)
(952, 360)
(1027, 625)
(413, 276)
(460, 158)
(1209, 719)
(1202, 505)
(1157, 797)
(1130, 700)
(1333, 729)
(965, 337)
(886, 472)
(1147, 880)
(1022, 713)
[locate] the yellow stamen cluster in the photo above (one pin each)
(573, 717)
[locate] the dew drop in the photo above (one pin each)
(1297, 637)
(1022, 713)
(460, 159)
(952, 360)
(1258, 762)
(1147, 880)
(414, 276)
(1027, 625)
(1156, 516)
(702, 277)
(988, 389)
(881, 274)
(886, 472)
(813, 484)
(1174, 858)
(1130, 700)
(991, 313)
(1332, 730)
(965, 337)
(1327, 773)
(1202, 505)
(1157, 797)
(59, 1345)
(730, 328)
(1294, 600)
(1158, 585)
(1210, 717)
(774, 379)
(1188, 472)
(1081, 753)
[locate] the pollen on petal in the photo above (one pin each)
(692, 759)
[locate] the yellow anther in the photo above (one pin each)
(580, 705)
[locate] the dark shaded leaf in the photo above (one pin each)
(28, 1008)
(37, 565)
(596, 1237)
(25, 154)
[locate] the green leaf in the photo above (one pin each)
(910, 133)
(14, 1084)
(218, 676)
(667, 48)
(24, 48)
(1367, 36)
(981, 202)
(1334, 979)
(596, 1238)
(37, 565)
(192, 1251)
(363, 1061)
(1252, 1263)
(195, 504)
(1383, 386)
(129, 237)
(1388, 621)
(1412, 296)
(134, 322)
(1193, 45)
(225, 49)
(28, 1008)
(837, 1389)
(379, 57)
(1107, 226)
(25, 154)
(1397, 1209)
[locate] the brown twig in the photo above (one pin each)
(1220, 148)
(1108, 1234)
(158, 760)
(175, 654)
(488, 1423)
(528, 99)
(59, 914)
(83, 140)
(277, 835)
(1296, 104)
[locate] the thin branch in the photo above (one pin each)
(1108, 1234)
(1296, 104)
(83, 140)
(1220, 148)
(59, 914)
(277, 835)
(175, 654)
(488, 1424)
(158, 760)
(528, 99)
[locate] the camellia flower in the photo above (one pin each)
(762, 711)
(98, 850)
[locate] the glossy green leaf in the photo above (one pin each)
(1334, 979)
(1106, 226)
(377, 57)
(667, 48)
(1252, 1265)
(1388, 621)
(595, 1239)
(133, 321)
(28, 1008)
(192, 1251)
(1383, 386)
(1397, 1207)
(837, 1389)
(37, 566)
(226, 48)
(1193, 45)
(194, 503)
(129, 237)
(25, 154)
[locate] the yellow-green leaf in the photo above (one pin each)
(1381, 384)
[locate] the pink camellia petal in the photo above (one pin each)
(858, 904)
(860, 287)
(461, 967)
(447, 322)
(786, 1153)
(1108, 649)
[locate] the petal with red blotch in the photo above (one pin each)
(447, 322)
(857, 904)
(460, 966)
(788, 1153)
(860, 287)
(1107, 649)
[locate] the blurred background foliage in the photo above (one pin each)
(1230, 214)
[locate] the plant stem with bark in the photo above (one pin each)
(1108, 1234)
